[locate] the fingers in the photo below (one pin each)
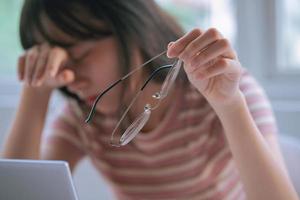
(201, 50)
(57, 58)
(30, 61)
(216, 49)
(175, 48)
(21, 67)
(65, 77)
(200, 43)
(42, 63)
(219, 67)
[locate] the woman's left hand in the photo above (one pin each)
(211, 64)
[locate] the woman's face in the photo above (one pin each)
(95, 64)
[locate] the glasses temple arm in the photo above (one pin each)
(155, 73)
(147, 62)
(92, 112)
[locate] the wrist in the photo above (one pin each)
(230, 106)
(37, 91)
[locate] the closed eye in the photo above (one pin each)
(82, 49)
(78, 58)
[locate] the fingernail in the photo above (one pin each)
(170, 44)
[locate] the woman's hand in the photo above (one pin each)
(210, 63)
(43, 66)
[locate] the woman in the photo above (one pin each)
(205, 137)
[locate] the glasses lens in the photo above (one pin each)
(134, 118)
(131, 107)
(109, 108)
(170, 79)
(137, 113)
(135, 127)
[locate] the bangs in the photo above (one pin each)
(71, 19)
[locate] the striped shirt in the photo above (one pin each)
(185, 157)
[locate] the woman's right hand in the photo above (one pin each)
(44, 66)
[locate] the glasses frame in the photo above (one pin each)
(143, 117)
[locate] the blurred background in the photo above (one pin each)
(266, 35)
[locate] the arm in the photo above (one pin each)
(261, 172)
(273, 144)
(213, 68)
(23, 140)
(41, 69)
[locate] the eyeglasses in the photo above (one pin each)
(119, 137)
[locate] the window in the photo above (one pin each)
(203, 14)
(9, 41)
(9, 52)
(268, 45)
(289, 35)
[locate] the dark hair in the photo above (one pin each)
(139, 22)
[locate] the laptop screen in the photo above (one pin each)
(36, 180)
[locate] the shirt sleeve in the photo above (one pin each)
(258, 104)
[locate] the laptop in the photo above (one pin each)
(36, 180)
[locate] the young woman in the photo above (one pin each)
(207, 132)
